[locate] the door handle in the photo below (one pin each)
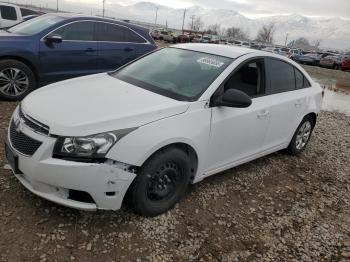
(263, 114)
(90, 50)
(128, 49)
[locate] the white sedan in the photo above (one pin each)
(150, 128)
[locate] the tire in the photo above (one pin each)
(161, 182)
(16, 80)
(300, 138)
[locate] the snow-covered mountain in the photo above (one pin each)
(334, 32)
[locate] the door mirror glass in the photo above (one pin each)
(234, 98)
(53, 39)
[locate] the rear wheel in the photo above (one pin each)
(161, 183)
(16, 80)
(301, 136)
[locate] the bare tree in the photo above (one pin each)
(266, 33)
(317, 43)
(197, 24)
(301, 41)
(236, 33)
(214, 29)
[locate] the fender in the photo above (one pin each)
(191, 128)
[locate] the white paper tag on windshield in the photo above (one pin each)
(210, 61)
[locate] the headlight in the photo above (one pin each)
(88, 147)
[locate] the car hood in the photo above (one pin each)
(95, 104)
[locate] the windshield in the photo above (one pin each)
(35, 25)
(175, 73)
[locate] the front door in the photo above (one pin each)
(77, 55)
(237, 133)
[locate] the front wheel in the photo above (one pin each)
(161, 182)
(16, 80)
(301, 136)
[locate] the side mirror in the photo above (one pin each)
(234, 98)
(53, 39)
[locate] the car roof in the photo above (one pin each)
(75, 16)
(221, 50)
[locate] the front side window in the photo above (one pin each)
(36, 25)
(176, 73)
(281, 76)
(78, 31)
(250, 79)
(114, 33)
(8, 12)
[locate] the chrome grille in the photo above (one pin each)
(36, 126)
(21, 142)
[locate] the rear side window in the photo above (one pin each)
(8, 12)
(114, 33)
(300, 80)
(26, 12)
(281, 76)
(79, 31)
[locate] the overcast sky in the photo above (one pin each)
(325, 8)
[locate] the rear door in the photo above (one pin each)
(117, 45)
(76, 56)
(287, 102)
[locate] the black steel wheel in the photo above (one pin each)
(161, 182)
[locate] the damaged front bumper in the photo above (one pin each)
(85, 186)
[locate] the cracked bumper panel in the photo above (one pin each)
(52, 178)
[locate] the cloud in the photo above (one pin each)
(326, 8)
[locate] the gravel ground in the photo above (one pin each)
(277, 208)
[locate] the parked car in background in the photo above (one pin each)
(309, 59)
(167, 36)
(183, 38)
(162, 122)
(294, 52)
(155, 33)
(196, 38)
(331, 61)
(214, 39)
(11, 15)
(55, 47)
(345, 65)
(206, 39)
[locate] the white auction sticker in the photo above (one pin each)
(210, 61)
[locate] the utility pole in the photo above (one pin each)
(192, 17)
(285, 42)
(103, 7)
(155, 20)
(183, 21)
(57, 5)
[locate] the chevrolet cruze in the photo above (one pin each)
(149, 129)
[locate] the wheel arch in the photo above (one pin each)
(313, 115)
(188, 149)
(24, 61)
